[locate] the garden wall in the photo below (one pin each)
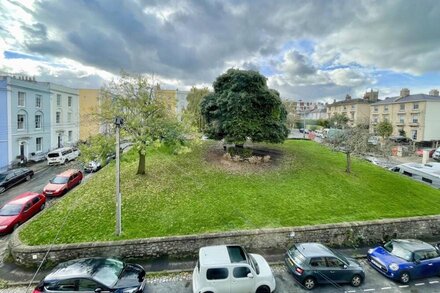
(336, 235)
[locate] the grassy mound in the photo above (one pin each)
(189, 194)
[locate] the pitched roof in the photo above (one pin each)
(410, 98)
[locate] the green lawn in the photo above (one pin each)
(186, 195)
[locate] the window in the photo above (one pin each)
(407, 173)
(38, 101)
(70, 135)
(69, 101)
(63, 286)
(334, 262)
(427, 180)
(37, 121)
(317, 262)
(59, 100)
(402, 118)
(345, 108)
(414, 134)
(20, 121)
(352, 107)
(39, 144)
(385, 108)
(217, 274)
(376, 108)
(21, 99)
(58, 117)
(415, 106)
(375, 119)
(415, 118)
(241, 272)
(402, 107)
(87, 285)
(69, 117)
(35, 200)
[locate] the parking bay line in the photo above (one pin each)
(403, 286)
(433, 282)
(385, 288)
(419, 284)
(368, 290)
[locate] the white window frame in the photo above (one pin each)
(21, 97)
(38, 146)
(416, 106)
(40, 124)
(401, 118)
(415, 119)
(37, 101)
(69, 117)
(402, 107)
(70, 135)
(23, 122)
(58, 117)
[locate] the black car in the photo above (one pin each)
(94, 275)
(314, 263)
(14, 177)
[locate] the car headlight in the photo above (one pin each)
(131, 290)
(370, 251)
(393, 267)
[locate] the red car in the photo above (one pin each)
(419, 152)
(63, 182)
(19, 210)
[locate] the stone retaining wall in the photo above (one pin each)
(336, 235)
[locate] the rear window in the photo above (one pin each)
(217, 274)
(53, 155)
(236, 254)
(297, 256)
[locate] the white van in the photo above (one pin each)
(426, 173)
(62, 156)
(229, 268)
(436, 154)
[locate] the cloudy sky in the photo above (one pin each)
(310, 50)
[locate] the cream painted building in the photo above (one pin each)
(417, 115)
(356, 110)
(88, 108)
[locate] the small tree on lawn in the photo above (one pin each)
(384, 128)
(146, 118)
(338, 121)
(97, 147)
(353, 140)
(242, 106)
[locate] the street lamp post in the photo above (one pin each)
(118, 123)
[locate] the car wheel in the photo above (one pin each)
(2, 189)
(356, 280)
(263, 289)
(309, 283)
(42, 206)
(404, 278)
(28, 177)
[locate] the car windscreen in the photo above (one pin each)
(397, 250)
(10, 210)
(53, 155)
(59, 180)
(340, 256)
(108, 272)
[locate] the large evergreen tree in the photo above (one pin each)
(242, 106)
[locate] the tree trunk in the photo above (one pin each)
(141, 166)
(348, 170)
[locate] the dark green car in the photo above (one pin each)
(314, 263)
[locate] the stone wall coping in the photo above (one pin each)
(16, 244)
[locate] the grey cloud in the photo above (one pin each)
(37, 31)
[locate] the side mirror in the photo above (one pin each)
(250, 275)
(98, 290)
(344, 266)
(437, 246)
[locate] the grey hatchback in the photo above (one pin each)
(314, 263)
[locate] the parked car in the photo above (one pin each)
(229, 268)
(62, 156)
(110, 157)
(436, 154)
(405, 259)
(420, 151)
(94, 275)
(124, 145)
(14, 177)
(374, 140)
(20, 209)
(63, 182)
(35, 158)
(314, 263)
(400, 139)
(93, 166)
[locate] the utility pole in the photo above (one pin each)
(118, 123)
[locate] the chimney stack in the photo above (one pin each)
(347, 97)
(404, 92)
(433, 92)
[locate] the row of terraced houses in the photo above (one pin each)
(416, 115)
(36, 117)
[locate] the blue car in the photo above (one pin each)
(405, 259)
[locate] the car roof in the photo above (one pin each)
(68, 173)
(313, 249)
(413, 244)
(77, 268)
(23, 198)
(221, 255)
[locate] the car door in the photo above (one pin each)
(9, 180)
(336, 272)
(424, 264)
(318, 267)
(27, 211)
(241, 282)
(71, 181)
(66, 285)
(36, 204)
(218, 278)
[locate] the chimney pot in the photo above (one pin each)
(434, 92)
